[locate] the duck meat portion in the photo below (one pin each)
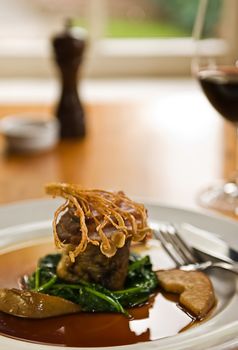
(93, 229)
(91, 265)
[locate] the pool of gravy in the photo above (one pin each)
(160, 317)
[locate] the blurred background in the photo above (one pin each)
(126, 37)
(137, 51)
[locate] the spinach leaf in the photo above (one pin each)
(66, 291)
(131, 297)
(140, 274)
(50, 262)
(92, 297)
(45, 274)
(141, 281)
(96, 298)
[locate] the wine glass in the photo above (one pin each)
(215, 66)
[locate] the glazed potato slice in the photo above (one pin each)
(23, 303)
(195, 289)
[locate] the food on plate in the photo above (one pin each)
(140, 283)
(195, 289)
(95, 269)
(94, 230)
(25, 303)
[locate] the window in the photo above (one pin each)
(127, 37)
(150, 18)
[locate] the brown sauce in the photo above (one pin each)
(160, 317)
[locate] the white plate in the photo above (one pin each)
(25, 221)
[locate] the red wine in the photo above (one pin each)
(221, 88)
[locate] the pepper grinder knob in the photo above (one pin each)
(69, 48)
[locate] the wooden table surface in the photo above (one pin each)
(165, 153)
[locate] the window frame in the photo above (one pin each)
(113, 57)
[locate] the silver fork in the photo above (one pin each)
(183, 255)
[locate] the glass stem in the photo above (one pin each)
(236, 155)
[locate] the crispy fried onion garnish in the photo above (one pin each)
(113, 208)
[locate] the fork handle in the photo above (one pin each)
(226, 266)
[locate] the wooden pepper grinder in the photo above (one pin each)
(69, 47)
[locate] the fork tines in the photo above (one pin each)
(175, 246)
